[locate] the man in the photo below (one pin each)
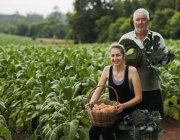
(152, 99)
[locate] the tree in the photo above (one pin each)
(129, 6)
(171, 4)
(102, 28)
(53, 27)
(174, 26)
(160, 22)
(22, 29)
(118, 28)
(33, 30)
(83, 21)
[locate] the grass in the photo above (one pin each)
(7, 39)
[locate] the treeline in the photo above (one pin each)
(34, 25)
(105, 20)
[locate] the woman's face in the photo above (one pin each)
(117, 58)
(141, 23)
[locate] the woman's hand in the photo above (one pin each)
(87, 106)
(119, 108)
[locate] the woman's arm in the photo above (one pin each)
(102, 81)
(134, 78)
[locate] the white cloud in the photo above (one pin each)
(43, 7)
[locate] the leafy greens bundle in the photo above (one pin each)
(156, 55)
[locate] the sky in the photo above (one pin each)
(41, 7)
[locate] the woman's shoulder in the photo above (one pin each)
(133, 73)
(106, 71)
(132, 69)
(107, 68)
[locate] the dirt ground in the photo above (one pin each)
(55, 41)
(171, 129)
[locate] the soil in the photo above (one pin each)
(171, 129)
(55, 41)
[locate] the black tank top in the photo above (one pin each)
(123, 90)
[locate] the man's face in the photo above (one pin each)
(141, 23)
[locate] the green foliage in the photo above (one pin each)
(133, 52)
(156, 55)
(86, 19)
(16, 40)
(95, 20)
(102, 26)
(34, 25)
(119, 27)
(114, 31)
(43, 89)
(174, 28)
(4, 131)
(22, 29)
(140, 122)
(162, 24)
(170, 87)
(14, 19)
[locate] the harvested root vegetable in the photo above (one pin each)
(103, 108)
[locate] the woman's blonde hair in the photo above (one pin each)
(118, 46)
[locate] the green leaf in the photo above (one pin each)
(70, 129)
(174, 112)
(2, 106)
(42, 79)
(30, 81)
(83, 133)
(2, 121)
(174, 100)
(166, 106)
(4, 132)
(133, 52)
(53, 133)
(68, 93)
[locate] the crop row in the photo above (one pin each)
(43, 89)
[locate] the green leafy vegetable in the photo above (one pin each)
(140, 122)
(156, 55)
(133, 52)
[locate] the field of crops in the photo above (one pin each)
(43, 88)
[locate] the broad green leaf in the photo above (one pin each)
(30, 81)
(166, 107)
(54, 133)
(2, 106)
(70, 129)
(68, 93)
(83, 133)
(2, 121)
(174, 112)
(174, 100)
(4, 132)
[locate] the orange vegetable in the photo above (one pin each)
(103, 108)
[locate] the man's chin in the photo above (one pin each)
(141, 30)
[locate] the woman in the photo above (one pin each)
(125, 80)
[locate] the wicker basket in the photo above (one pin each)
(102, 119)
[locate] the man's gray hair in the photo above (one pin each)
(141, 11)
